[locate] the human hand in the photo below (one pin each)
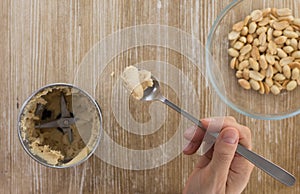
(220, 170)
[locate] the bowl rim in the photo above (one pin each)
(208, 56)
(41, 160)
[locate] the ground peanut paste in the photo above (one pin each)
(51, 144)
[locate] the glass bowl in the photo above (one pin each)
(248, 102)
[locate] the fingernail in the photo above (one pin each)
(186, 147)
(230, 136)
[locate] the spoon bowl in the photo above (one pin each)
(153, 92)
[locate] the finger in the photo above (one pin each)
(240, 162)
(241, 167)
(191, 148)
(195, 136)
(245, 137)
(224, 151)
(205, 159)
(215, 124)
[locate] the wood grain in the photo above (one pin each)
(43, 42)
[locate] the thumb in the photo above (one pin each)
(224, 151)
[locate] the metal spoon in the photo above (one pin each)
(153, 93)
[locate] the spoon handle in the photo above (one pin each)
(270, 168)
(267, 166)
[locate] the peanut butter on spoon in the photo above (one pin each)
(136, 81)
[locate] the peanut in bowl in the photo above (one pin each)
(255, 46)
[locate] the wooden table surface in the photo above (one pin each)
(44, 42)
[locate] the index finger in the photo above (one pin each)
(216, 124)
(195, 136)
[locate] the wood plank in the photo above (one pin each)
(44, 42)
